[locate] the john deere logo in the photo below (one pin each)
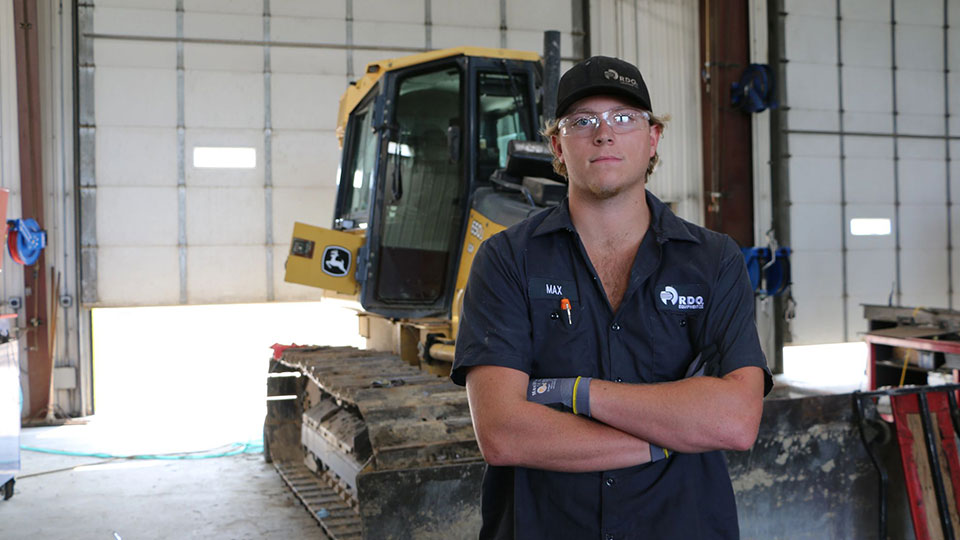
(614, 76)
(336, 261)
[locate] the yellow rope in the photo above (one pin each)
(903, 372)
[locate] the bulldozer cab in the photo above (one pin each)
(416, 147)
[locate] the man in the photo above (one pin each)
(601, 309)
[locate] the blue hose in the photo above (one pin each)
(250, 447)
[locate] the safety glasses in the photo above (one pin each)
(586, 124)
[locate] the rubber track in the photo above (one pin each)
(340, 521)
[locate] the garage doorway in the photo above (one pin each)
(186, 378)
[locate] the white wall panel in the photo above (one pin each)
(302, 101)
(814, 179)
(812, 39)
(453, 36)
(922, 181)
(225, 216)
(860, 122)
(308, 30)
(136, 97)
(920, 47)
(533, 16)
(308, 61)
(923, 277)
(224, 274)
(465, 14)
(874, 283)
(306, 159)
(228, 99)
(868, 89)
(401, 11)
(920, 92)
(869, 180)
(923, 226)
(150, 156)
(389, 34)
(136, 216)
(308, 8)
(819, 296)
(213, 57)
(863, 10)
(929, 12)
(137, 54)
(222, 26)
(140, 4)
(807, 86)
(250, 7)
(865, 43)
(809, 7)
(138, 275)
(134, 22)
(819, 223)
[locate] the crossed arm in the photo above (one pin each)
(691, 415)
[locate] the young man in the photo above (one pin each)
(582, 333)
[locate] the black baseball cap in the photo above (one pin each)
(602, 75)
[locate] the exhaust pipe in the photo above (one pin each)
(551, 73)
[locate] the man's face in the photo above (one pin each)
(602, 163)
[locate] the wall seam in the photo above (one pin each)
(844, 277)
(946, 131)
(898, 290)
(181, 162)
(268, 152)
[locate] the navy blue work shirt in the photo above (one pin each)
(688, 292)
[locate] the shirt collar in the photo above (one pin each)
(664, 222)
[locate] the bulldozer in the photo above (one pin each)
(440, 150)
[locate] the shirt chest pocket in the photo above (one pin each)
(561, 340)
(673, 346)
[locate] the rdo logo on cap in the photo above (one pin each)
(614, 76)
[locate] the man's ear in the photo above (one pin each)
(557, 148)
(655, 132)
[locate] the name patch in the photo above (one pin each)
(552, 288)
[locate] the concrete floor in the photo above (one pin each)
(234, 497)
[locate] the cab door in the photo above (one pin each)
(414, 233)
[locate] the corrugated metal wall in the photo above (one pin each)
(872, 96)
(662, 39)
(161, 77)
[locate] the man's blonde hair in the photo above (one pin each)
(561, 168)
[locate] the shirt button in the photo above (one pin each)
(611, 482)
(619, 379)
(615, 327)
(683, 322)
(608, 537)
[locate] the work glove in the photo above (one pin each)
(573, 393)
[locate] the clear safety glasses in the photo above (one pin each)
(586, 124)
